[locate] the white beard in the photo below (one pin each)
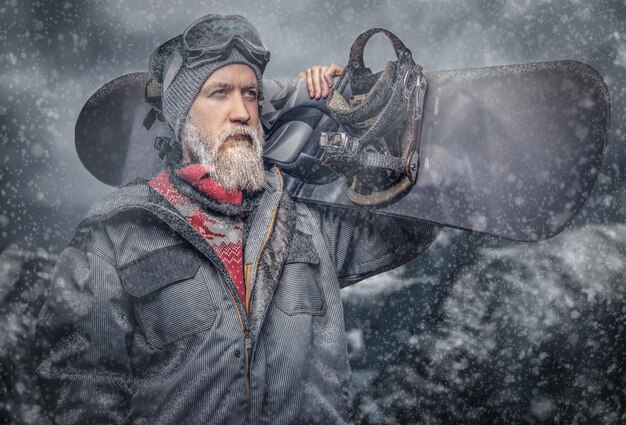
(238, 167)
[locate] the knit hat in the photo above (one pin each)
(186, 84)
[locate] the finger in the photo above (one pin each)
(315, 75)
(324, 81)
(333, 71)
(309, 83)
(302, 74)
(328, 78)
(336, 69)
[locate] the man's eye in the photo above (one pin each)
(251, 94)
(219, 93)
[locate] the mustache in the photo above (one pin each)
(238, 130)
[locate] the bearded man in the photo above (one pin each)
(207, 294)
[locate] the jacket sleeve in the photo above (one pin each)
(362, 244)
(281, 95)
(83, 329)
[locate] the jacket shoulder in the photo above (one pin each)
(134, 195)
(125, 225)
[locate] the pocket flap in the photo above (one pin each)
(302, 249)
(159, 268)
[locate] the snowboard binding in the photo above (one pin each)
(376, 147)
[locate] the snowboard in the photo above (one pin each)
(512, 151)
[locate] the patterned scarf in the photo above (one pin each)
(216, 214)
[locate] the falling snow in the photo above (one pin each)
(476, 330)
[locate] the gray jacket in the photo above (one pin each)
(143, 324)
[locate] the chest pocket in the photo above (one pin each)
(299, 289)
(171, 296)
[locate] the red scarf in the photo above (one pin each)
(224, 233)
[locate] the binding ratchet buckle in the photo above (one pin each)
(338, 142)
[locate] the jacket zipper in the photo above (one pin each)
(247, 341)
(244, 329)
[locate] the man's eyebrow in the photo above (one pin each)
(228, 86)
(218, 85)
(251, 86)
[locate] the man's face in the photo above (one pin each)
(223, 131)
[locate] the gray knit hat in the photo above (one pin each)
(167, 63)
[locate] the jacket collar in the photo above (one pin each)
(266, 247)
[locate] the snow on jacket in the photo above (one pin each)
(142, 324)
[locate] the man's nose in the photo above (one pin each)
(239, 112)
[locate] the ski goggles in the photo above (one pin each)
(212, 38)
